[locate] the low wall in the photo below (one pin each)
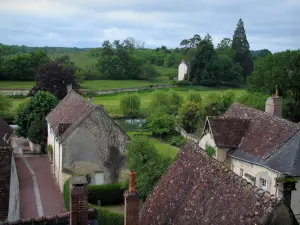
(14, 202)
(122, 90)
(100, 92)
(183, 133)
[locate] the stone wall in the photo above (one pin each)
(14, 203)
(5, 167)
(183, 133)
(100, 92)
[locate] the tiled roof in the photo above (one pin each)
(265, 133)
(228, 132)
(5, 130)
(71, 109)
(197, 189)
(62, 219)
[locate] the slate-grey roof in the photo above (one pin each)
(198, 189)
(287, 159)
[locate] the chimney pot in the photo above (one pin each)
(131, 214)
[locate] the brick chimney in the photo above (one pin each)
(274, 105)
(69, 88)
(131, 215)
(78, 201)
(286, 185)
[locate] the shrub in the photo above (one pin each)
(194, 96)
(177, 141)
(49, 149)
(160, 100)
(36, 131)
(211, 151)
(182, 82)
(107, 217)
(67, 194)
(189, 116)
(130, 104)
(175, 101)
(160, 123)
(109, 194)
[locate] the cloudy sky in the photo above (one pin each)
(271, 24)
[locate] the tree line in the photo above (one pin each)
(229, 63)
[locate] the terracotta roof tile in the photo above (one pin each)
(228, 132)
(265, 133)
(197, 189)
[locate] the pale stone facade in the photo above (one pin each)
(182, 70)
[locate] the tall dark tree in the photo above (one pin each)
(54, 78)
(241, 48)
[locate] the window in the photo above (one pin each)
(263, 184)
(241, 172)
(99, 178)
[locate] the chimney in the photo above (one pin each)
(286, 185)
(274, 105)
(69, 88)
(78, 201)
(131, 215)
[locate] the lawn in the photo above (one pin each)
(163, 148)
(111, 102)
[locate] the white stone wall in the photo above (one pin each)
(258, 172)
(182, 70)
(14, 202)
(295, 204)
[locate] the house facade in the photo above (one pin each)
(85, 141)
(258, 146)
(182, 70)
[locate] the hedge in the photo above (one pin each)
(67, 194)
(109, 194)
(107, 217)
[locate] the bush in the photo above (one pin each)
(107, 217)
(160, 123)
(175, 101)
(182, 82)
(194, 96)
(189, 116)
(160, 100)
(36, 131)
(130, 104)
(67, 194)
(5, 103)
(177, 141)
(49, 149)
(109, 194)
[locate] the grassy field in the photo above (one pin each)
(111, 102)
(89, 85)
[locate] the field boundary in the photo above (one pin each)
(13, 92)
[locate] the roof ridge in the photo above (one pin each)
(242, 181)
(265, 113)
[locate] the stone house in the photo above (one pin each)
(259, 146)
(198, 189)
(6, 132)
(84, 140)
(182, 70)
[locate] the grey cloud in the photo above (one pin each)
(269, 24)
